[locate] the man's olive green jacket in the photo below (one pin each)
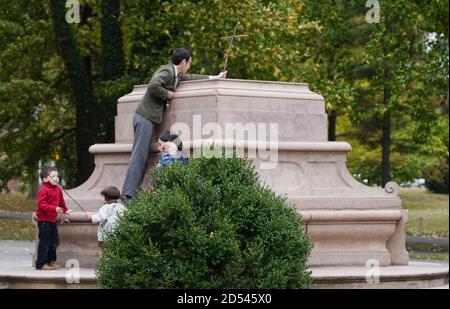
(155, 97)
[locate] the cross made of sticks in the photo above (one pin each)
(230, 46)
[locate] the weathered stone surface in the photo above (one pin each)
(349, 223)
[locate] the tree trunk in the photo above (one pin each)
(332, 126)
(34, 183)
(85, 107)
(385, 145)
(332, 114)
(113, 59)
(386, 121)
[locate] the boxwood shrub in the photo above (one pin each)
(209, 224)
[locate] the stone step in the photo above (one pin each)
(415, 275)
(23, 276)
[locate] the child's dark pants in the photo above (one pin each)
(48, 242)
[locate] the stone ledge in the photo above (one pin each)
(16, 215)
(26, 277)
(353, 216)
(280, 145)
(415, 275)
(195, 144)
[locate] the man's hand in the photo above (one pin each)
(222, 75)
(59, 210)
(170, 94)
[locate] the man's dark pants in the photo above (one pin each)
(48, 243)
(137, 167)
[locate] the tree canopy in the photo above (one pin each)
(385, 83)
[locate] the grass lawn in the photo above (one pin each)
(16, 202)
(433, 208)
(16, 229)
(427, 252)
(429, 256)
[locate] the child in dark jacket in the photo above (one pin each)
(50, 204)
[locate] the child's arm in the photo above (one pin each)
(101, 215)
(42, 203)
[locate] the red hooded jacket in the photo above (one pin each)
(49, 197)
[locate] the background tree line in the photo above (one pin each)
(385, 84)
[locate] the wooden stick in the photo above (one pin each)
(230, 46)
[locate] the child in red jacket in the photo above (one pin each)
(50, 204)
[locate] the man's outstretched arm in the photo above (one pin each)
(183, 77)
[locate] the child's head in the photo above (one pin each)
(170, 148)
(166, 136)
(49, 174)
(110, 193)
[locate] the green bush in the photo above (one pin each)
(436, 177)
(210, 224)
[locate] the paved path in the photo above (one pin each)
(16, 251)
(436, 241)
(16, 262)
(17, 215)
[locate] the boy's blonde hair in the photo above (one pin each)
(170, 148)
